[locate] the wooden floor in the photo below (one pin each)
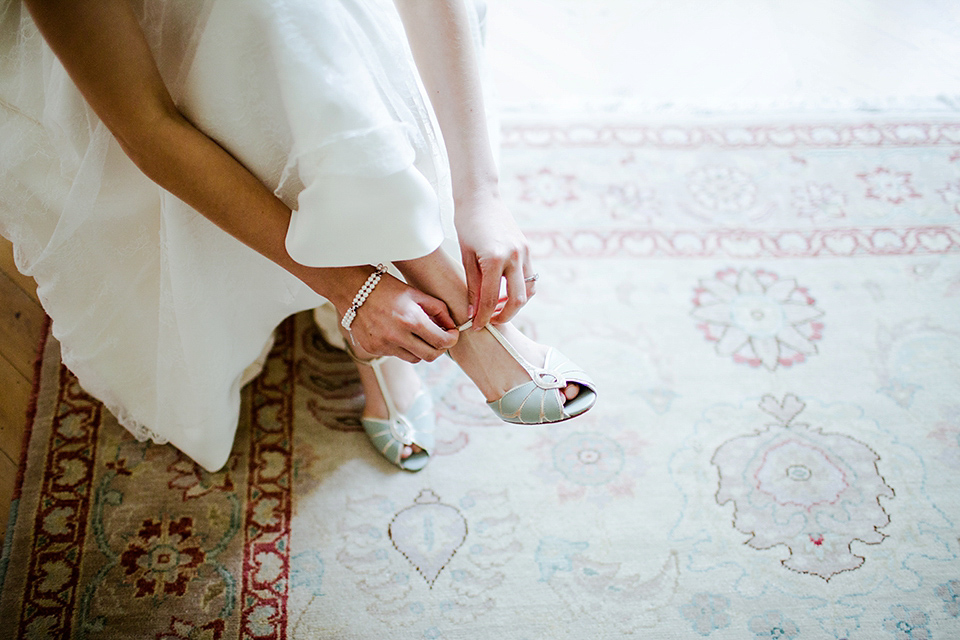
(21, 323)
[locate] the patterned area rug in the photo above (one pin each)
(770, 308)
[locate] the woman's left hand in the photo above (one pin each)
(493, 248)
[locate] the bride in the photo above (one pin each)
(180, 175)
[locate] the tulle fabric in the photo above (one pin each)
(158, 312)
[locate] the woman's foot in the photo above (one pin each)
(493, 369)
(485, 361)
(402, 382)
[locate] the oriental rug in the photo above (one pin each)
(771, 309)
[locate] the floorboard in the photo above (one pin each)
(21, 323)
(13, 409)
(8, 476)
(8, 268)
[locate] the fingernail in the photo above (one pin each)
(470, 311)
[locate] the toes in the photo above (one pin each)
(571, 391)
(409, 450)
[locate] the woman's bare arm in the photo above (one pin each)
(443, 47)
(101, 45)
(492, 245)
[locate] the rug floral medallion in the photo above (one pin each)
(771, 310)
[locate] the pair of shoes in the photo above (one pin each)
(399, 430)
(541, 401)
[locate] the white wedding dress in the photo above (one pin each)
(157, 311)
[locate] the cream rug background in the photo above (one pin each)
(769, 305)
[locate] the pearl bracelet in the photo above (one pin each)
(362, 295)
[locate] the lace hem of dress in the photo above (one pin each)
(141, 432)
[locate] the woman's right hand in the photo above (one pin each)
(399, 320)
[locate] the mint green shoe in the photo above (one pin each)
(541, 400)
(399, 430)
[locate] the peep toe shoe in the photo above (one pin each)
(414, 427)
(541, 400)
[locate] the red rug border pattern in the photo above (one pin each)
(263, 605)
(71, 403)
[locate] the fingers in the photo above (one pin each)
(407, 345)
(502, 256)
(529, 288)
(425, 341)
(436, 310)
(438, 331)
(516, 295)
(474, 278)
(429, 342)
(406, 356)
(528, 272)
(413, 326)
(487, 303)
(419, 339)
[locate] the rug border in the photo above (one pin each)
(599, 106)
(30, 418)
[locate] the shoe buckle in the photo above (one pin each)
(548, 380)
(402, 430)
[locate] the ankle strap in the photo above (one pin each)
(523, 362)
(359, 360)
